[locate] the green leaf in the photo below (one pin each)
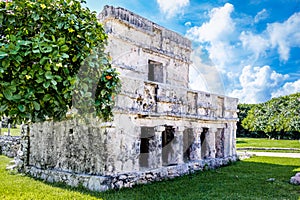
(64, 48)
(8, 94)
(48, 75)
(3, 108)
(3, 54)
(24, 42)
(45, 49)
(21, 108)
(43, 60)
(39, 80)
(5, 63)
(36, 51)
(61, 41)
(64, 55)
(16, 97)
(36, 105)
(47, 97)
(53, 82)
(46, 84)
(35, 16)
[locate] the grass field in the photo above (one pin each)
(13, 131)
(247, 179)
(259, 142)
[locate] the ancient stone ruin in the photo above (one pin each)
(161, 128)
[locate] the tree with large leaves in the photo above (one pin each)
(43, 45)
(277, 118)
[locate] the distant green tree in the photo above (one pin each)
(277, 118)
(242, 114)
(43, 44)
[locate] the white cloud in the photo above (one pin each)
(215, 34)
(285, 35)
(261, 15)
(257, 83)
(257, 44)
(219, 26)
(171, 8)
(287, 88)
(188, 23)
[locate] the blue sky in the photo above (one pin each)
(248, 49)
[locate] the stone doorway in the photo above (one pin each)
(146, 146)
(188, 140)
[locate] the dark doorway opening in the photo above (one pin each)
(167, 151)
(146, 146)
(188, 141)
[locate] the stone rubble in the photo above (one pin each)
(9, 145)
(295, 179)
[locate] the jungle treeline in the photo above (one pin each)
(278, 118)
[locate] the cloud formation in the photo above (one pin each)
(215, 34)
(171, 8)
(257, 83)
(230, 47)
(287, 89)
(284, 36)
(261, 15)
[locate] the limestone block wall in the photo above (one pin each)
(9, 145)
(77, 147)
(152, 98)
(101, 156)
(134, 41)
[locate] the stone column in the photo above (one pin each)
(212, 142)
(227, 141)
(233, 125)
(178, 144)
(155, 157)
(196, 146)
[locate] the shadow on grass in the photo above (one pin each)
(255, 178)
(241, 142)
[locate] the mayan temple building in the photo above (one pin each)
(161, 128)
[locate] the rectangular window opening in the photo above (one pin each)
(155, 71)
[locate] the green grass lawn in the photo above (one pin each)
(246, 179)
(13, 131)
(259, 142)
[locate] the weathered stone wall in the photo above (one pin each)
(134, 40)
(130, 179)
(72, 146)
(9, 145)
(152, 98)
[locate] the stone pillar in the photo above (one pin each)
(178, 144)
(212, 142)
(227, 141)
(155, 157)
(233, 125)
(196, 146)
(22, 158)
